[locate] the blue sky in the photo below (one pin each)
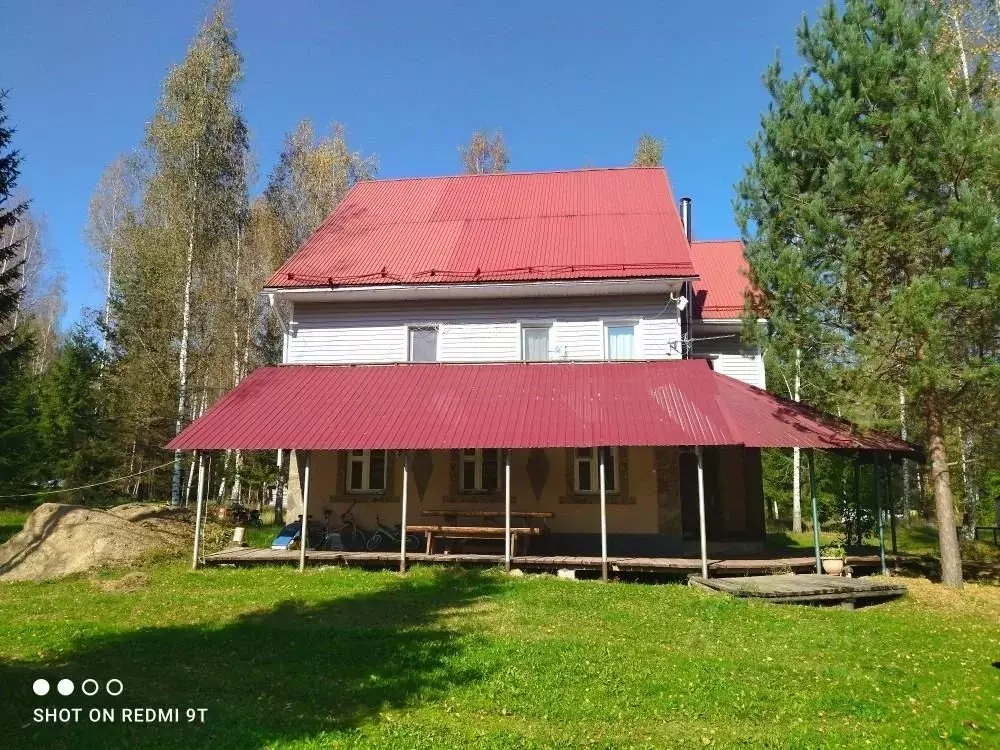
(571, 84)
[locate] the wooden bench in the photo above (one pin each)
(456, 512)
(475, 532)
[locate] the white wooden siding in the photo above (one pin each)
(724, 345)
(474, 331)
(747, 368)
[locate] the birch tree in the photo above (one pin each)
(197, 140)
(112, 206)
(648, 152)
(485, 153)
(311, 178)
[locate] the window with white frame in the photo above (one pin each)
(480, 470)
(366, 471)
(620, 340)
(423, 344)
(535, 345)
(586, 474)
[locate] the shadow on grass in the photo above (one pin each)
(275, 676)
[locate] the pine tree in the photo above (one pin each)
(871, 221)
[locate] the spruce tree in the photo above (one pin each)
(11, 348)
(75, 431)
(870, 214)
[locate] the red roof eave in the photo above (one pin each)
(511, 405)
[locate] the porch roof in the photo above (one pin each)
(512, 405)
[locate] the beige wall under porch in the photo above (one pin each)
(649, 500)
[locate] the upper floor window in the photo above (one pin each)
(620, 340)
(535, 343)
(480, 470)
(587, 478)
(423, 344)
(366, 471)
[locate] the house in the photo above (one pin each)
(536, 347)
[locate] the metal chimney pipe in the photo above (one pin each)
(686, 217)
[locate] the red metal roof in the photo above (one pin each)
(583, 224)
(720, 290)
(509, 405)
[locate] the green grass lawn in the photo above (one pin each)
(450, 659)
(12, 521)
(920, 539)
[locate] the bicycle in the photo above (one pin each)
(328, 540)
(352, 536)
(389, 537)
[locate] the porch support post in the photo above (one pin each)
(892, 505)
(304, 526)
(701, 511)
(506, 499)
(402, 523)
(857, 496)
(877, 461)
(604, 515)
(199, 506)
(815, 508)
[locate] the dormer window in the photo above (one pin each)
(619, 340)
(535, 345)
(422, 344)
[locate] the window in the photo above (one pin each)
(535, 343)
(586, 477)
(480, 470)
(366, 471)
(423, 344)
(620, 339)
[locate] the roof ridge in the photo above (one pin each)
(528, 172)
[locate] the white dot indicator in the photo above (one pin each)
(40, 686)
(114, 686)
(89, 687)
(65, 687)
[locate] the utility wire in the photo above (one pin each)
(86, 486)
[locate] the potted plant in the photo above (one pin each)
(834, 557)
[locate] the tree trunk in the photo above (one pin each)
(237, 468)
(175, 493)
(107, 285)
(970, 489)
(190, 481)
(28, 243)
(279, 492)
(951, 559)
(797, 456)
(906, 464)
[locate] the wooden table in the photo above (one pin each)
(452, 529)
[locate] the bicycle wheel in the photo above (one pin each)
(374, 542)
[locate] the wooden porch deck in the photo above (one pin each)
(255, 556)
(803, 589)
